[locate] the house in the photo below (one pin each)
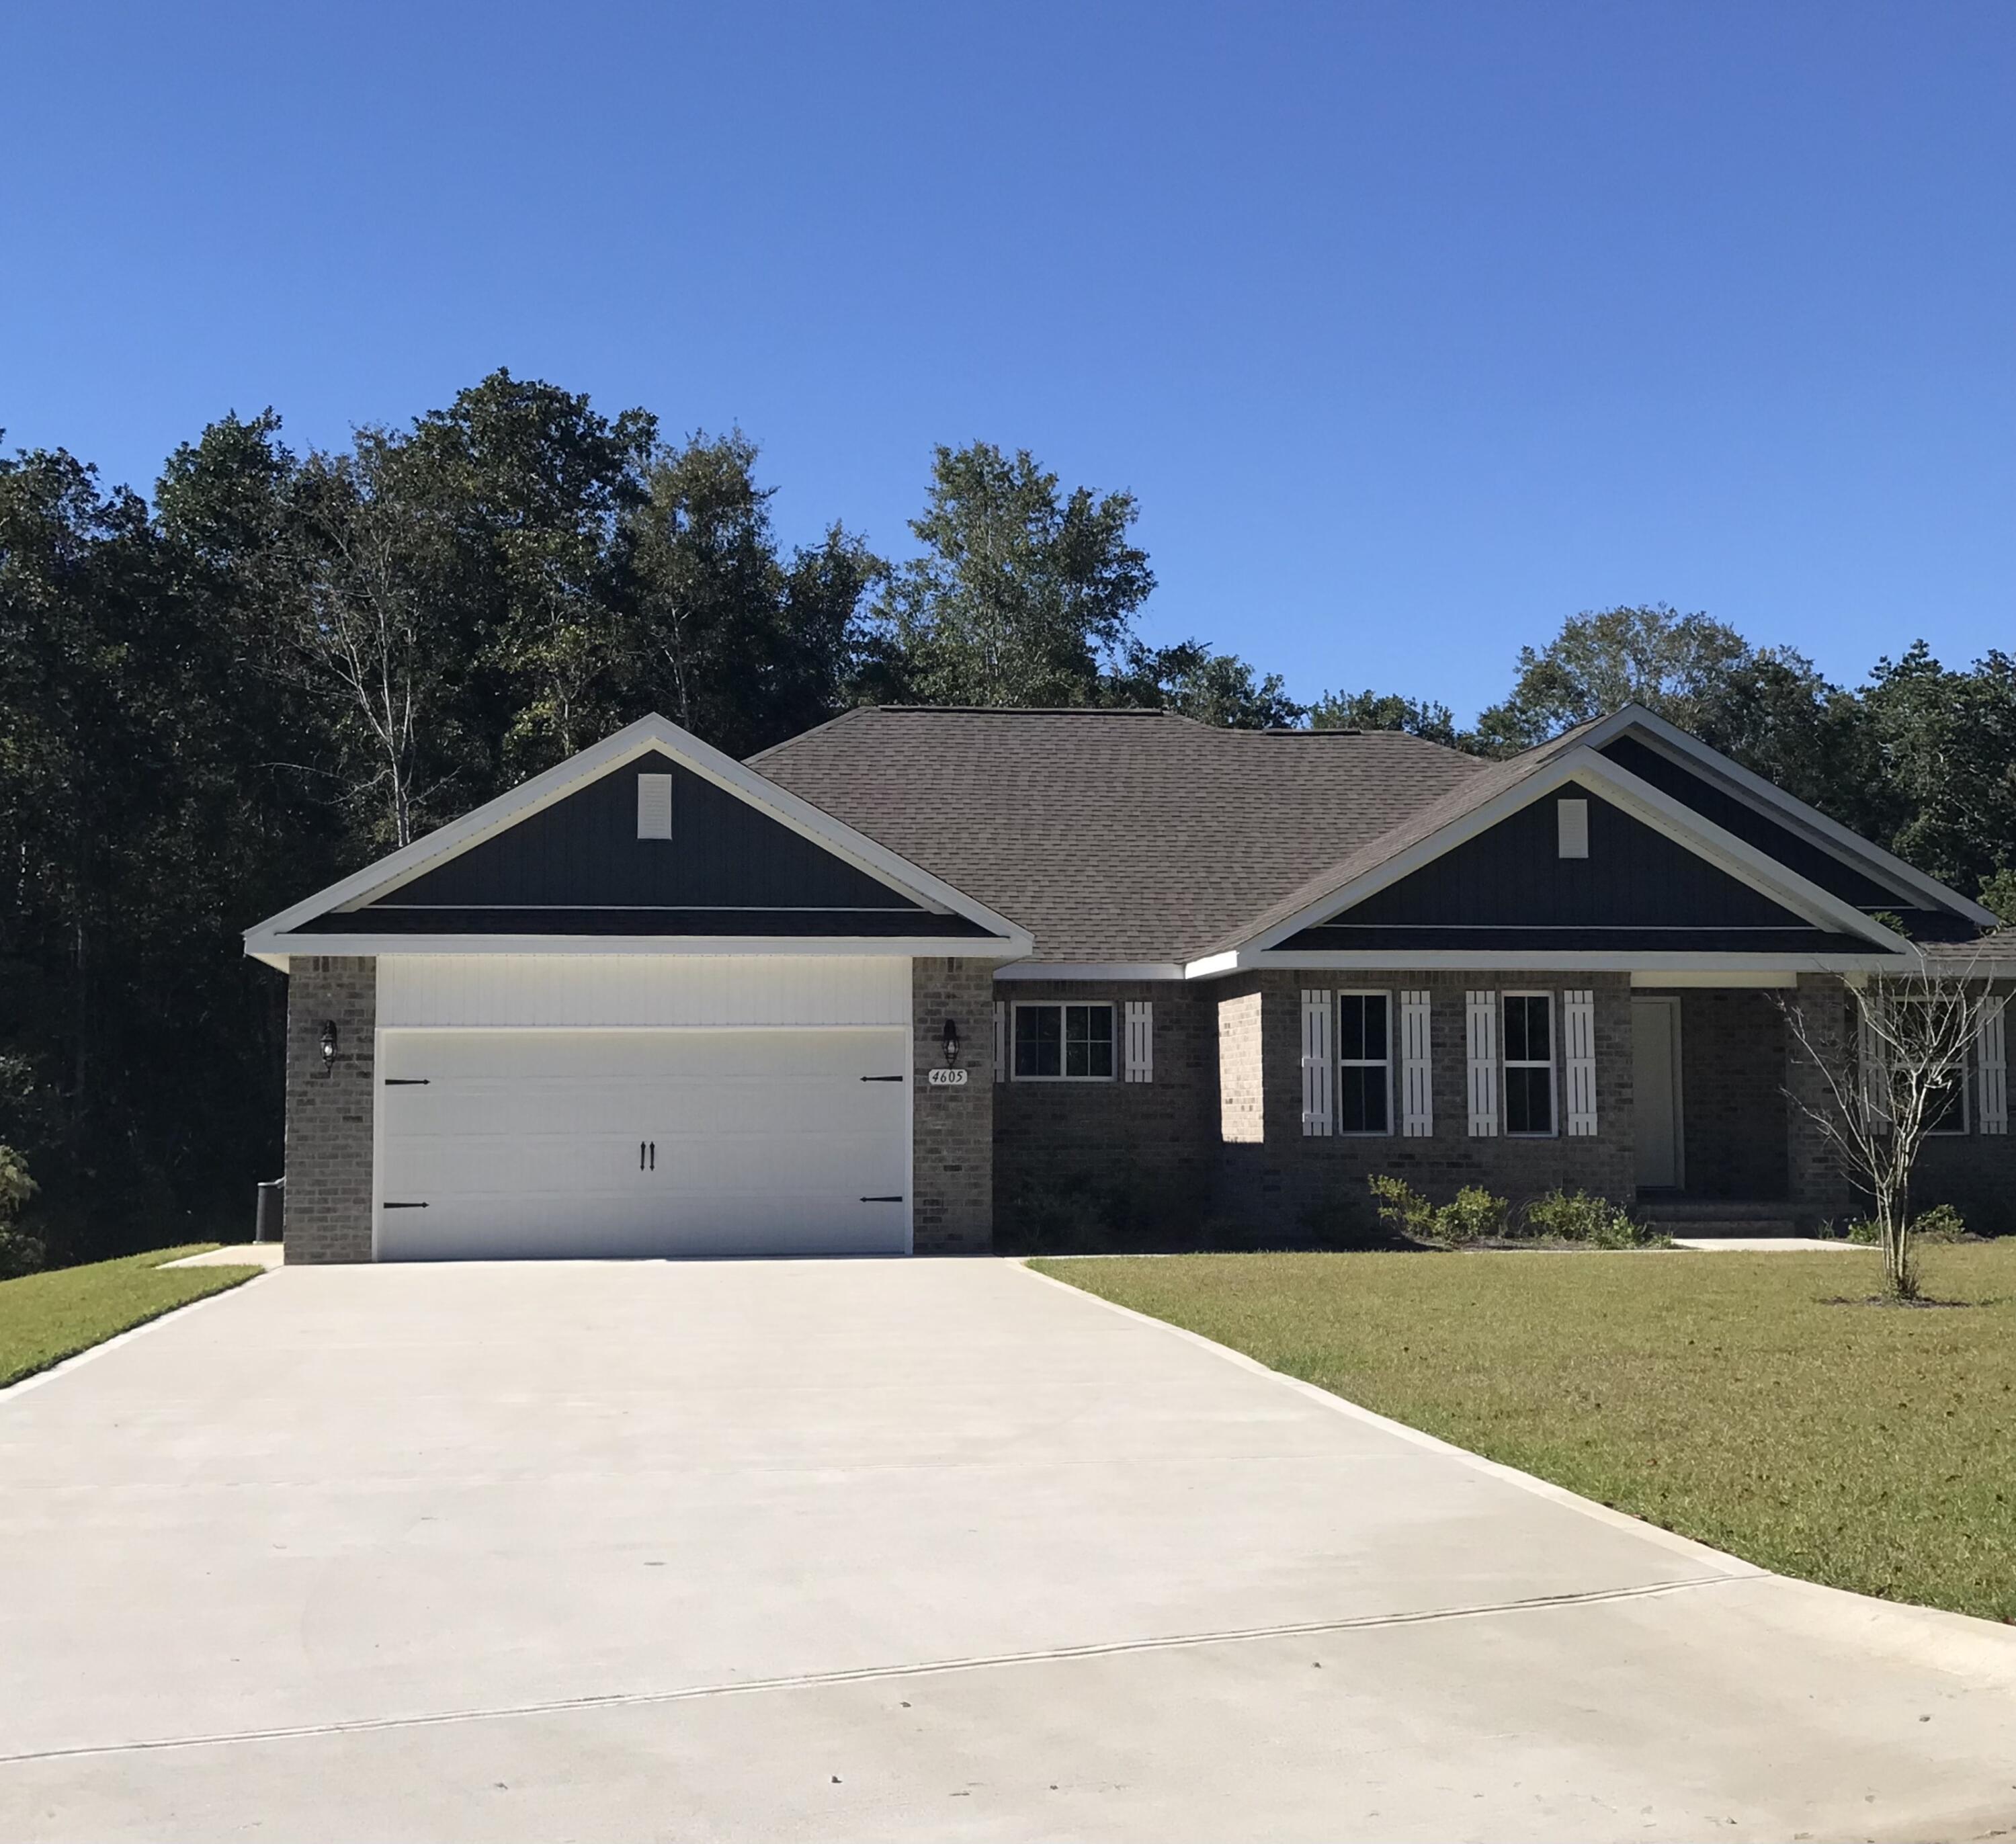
(918, 966)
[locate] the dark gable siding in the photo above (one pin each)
(1512, 878)
(583, 853)
(1753, 828)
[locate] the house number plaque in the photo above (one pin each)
(947, 1079)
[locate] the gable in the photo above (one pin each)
(1749, 823)
(1509, 887)
(582, 853)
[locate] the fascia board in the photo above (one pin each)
(1092, 970)
(1850, 847)
(387, 874)
(276, 947)
(1587, 960)
(1582, 764)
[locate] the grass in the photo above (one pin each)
(46, 1318)
(1720, 1396)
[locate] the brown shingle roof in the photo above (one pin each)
(1120, 835)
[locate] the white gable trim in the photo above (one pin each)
(1854, 852)
(1580, 765)
(275, 935)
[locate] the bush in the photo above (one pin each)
(1596, 1223)
(1475, 1217)
(21, 1253)
(1941, 1223)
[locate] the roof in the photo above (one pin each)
(1119, 836)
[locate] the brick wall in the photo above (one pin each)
(329, 1108)
(1290, 1181)
(1242, 1084)
(1154, 1141)
(1817, 1183)
(952, 1210)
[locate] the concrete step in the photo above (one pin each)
(1687, 1216)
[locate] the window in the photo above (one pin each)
(1946, 1107)
(1365, 1063)
(1064, 1042)
(1529, 1063)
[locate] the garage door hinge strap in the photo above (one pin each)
(881, 1079)
(407, 1081)
(897, 1199)
(389, 1204)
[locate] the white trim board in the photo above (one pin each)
(1727, 969)
(1092, 969)
(647, 734)
(277, 949)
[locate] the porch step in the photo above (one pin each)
(1709, 1216)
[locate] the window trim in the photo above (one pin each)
(1059, 1006)
(1340, 1062)
(1506, 1063)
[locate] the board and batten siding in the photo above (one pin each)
(604, 992)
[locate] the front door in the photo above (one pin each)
(1655, 1076)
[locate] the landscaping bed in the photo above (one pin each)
(45, 1318)
(1732, 1398)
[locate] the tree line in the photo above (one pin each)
(280, 664)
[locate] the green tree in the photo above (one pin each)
(1022, 595)
(1370, 710)
(1213, 688)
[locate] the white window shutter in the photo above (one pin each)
(1993, 1067)
(1873, 1055)
(1140, 1040)
(1001, 1040)
(1482, 1010)
(1417, 1093)
(1316, 1064)
(1578, 1028)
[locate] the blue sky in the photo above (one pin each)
(1416, 328)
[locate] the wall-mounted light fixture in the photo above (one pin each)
(951, 1043)
(328, 1044)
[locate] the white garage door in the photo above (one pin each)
(643, 1142)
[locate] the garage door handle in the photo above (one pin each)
(654, 1155)
(881, 1079)
(897, 1199)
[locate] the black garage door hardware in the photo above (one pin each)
(881, 1079)
(407, 1081)
(897, 1199)
(388, 1204)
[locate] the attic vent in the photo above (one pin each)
(654, 806)
(1571, 820)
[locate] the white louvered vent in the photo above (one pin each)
(1417, 1102)
(654, 806)
(1572, 827)
(1480, 1010)
(1316, 1065)
(1993, 1069)
(1578, 1029)
(1140, 1040)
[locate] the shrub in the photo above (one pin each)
(21, 1253)
(1941, 1223)
(1575, 1216)
(1475, 1215)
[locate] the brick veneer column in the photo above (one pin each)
(329, 1108)
(1817, 1183)
(952, 1210)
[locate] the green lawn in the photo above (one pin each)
(45, 1318)
(1873, 1448)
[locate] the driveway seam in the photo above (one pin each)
(874, 1673)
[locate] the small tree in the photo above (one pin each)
(1896, 1079)
(21, 1253)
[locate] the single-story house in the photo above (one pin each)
(909, 971)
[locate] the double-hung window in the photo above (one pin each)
(1364, 1063)
(1529, 1063)
(1064, 1042)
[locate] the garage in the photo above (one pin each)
(503, 1143)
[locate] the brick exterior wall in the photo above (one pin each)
(1734, 1132)
(1291, 1181)
(329, 1108)
(952, 1209)
(1242, 1083)
(1154, 1143)
(1817, 1183)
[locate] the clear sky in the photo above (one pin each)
(1416, 328)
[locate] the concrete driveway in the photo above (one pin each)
(901, 1549)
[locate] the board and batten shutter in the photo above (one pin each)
(1872, 1056)
(1578, 1032)
(1991, 1065)
(1417, 1093)
(1317, 1065)
(1140, 1040)
(1001, 1040)
(1481, 1022)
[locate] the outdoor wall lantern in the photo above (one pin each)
(951, 1043)
(328, 1043)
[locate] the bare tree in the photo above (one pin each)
(1898, 1075)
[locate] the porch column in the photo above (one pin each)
(1818, 1185)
